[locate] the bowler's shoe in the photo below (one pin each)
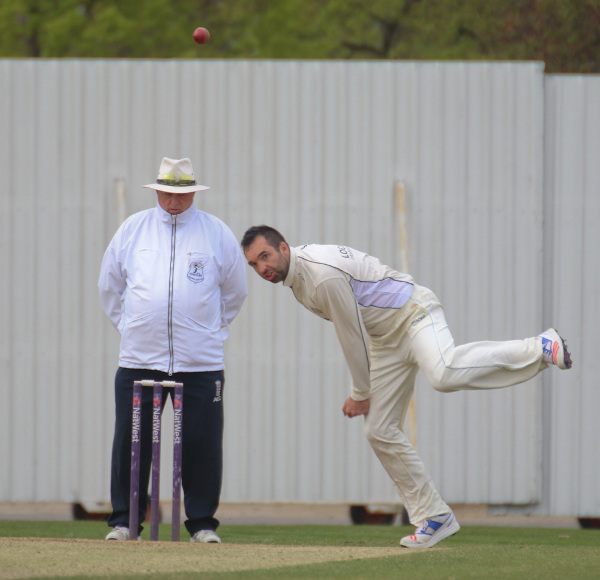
(431, 532)
(554, 349)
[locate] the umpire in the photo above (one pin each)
(172, 281)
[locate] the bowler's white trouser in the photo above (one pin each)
(425, 342)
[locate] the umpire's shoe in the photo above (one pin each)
(554, 349)
(119, 533)
(432, 532)
(206, 537)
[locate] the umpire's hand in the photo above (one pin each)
(354, 408)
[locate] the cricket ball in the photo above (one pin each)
(201, 35)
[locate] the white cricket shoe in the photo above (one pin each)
(206, 537)
(554, 349)
(431, 532)
(119, 533)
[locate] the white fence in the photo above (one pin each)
(500, 168)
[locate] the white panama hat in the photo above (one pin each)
(176, 176)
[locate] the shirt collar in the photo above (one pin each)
(289, 279)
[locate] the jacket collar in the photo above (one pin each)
(289, 279)
(182, 218)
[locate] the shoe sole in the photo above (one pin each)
(562, 359)
(139, 539)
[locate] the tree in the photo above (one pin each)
(562, 33)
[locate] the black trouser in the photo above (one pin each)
(202, 449)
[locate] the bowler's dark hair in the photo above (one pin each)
(273, 237)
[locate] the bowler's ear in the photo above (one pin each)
(285, 250)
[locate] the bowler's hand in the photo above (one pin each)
(354, 408)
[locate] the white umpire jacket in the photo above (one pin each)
(171, 285)
(360, 295)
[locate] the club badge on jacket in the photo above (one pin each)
(197, 261)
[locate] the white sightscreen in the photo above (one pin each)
(315, 149)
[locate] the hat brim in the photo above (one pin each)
(176, 189)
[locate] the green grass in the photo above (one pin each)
(476, 552)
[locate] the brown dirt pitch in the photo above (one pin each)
(35, 557)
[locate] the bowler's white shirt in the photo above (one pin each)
(355, 291)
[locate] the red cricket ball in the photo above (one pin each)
(201, 35)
